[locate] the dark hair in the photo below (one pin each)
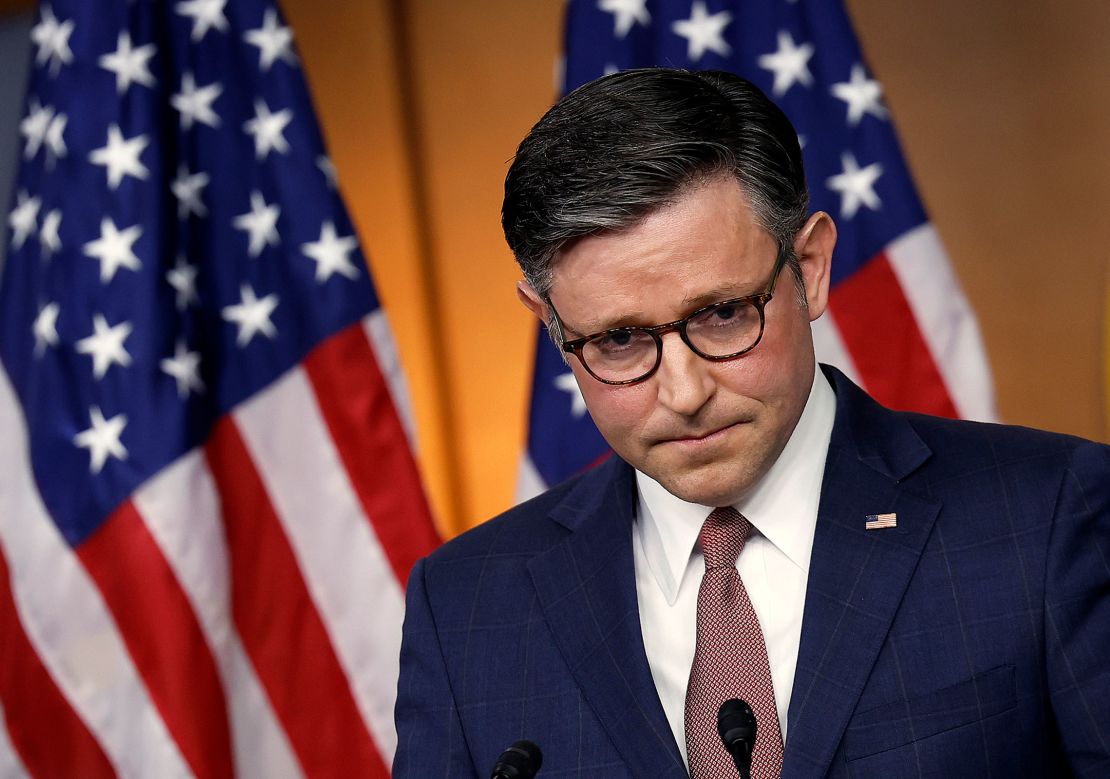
(618, 148)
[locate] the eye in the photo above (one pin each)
(725, 312)
(614, 341)
(726, 315)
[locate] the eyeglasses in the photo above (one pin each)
(717, 332)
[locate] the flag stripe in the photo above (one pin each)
(830, 348)
(191, 535)
(164, 638)
(877, 346)
(344, 566)
(376, 325)
(10, 765)
(67, 623)
(945, 319)
(44, 719)
(356, 403)
(528, 480)
(278, 622)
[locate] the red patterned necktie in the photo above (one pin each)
(730, 660)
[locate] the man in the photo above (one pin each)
(893, 594)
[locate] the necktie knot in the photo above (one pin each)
(723, 535)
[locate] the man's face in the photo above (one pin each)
(707, 431)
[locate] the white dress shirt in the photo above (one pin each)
(774, 564)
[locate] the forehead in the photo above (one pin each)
(705, 245)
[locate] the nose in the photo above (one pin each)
(685, 381)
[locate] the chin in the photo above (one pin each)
(709, 487)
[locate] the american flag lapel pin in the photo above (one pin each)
(877, 521)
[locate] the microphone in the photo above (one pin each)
(736, 726)
(522, 760)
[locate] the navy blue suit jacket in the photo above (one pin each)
(971, 640)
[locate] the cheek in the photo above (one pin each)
(755, 376)
(776, 367)
(617, 409)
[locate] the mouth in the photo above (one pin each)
(700, 439)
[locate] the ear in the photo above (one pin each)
(532, 300)
(813, 246)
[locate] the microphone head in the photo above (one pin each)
(736, 724)
(522, 760)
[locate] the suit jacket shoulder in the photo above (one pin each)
(527, 627)
(928, 646)
(520, 530)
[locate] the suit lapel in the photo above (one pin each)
(857, 577)
(587, 590)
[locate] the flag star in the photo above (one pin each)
(42, 34)
(183, 278)
(23, 219)
(327, 167)
(33, 127)
(52, 39)
(130, 65)
(45, 327)
(186, 188)
(184, 368)
(48, 233)
(105, 345)
(206, 15)
(267, 129)
(330, 253)
(102, 439)
(113, 249)
(790, 64)
(567, 383)
(121, 156)
(703, 31)
(55, 142)
(273, 40)
(251, 315)
(862, 94)
(260, 223)
(195, 105)
(856, 185)
(625, 14)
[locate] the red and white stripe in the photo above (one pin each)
(10, 764)
(529, 483)
(923, 351)
(241, 614)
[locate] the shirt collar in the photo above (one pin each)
(782, 505)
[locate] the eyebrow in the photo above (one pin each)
(717, 295)
(627, 320)
(689, 303)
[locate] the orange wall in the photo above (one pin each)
(1004, 112)
(1003, 109)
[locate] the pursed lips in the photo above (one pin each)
(697, 438)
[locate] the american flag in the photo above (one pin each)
(898, 323)
(879, 521)
(208, 501)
